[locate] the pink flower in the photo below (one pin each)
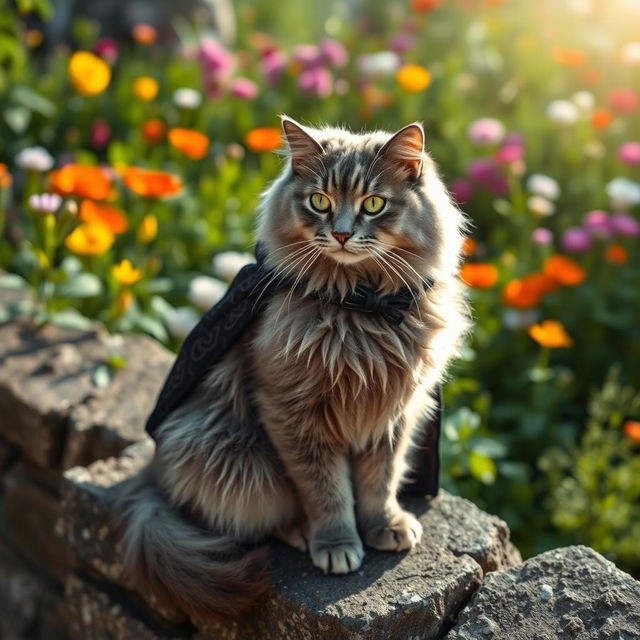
(333, 53)
(318, 82)
(273, 64)
(624, 100)
(629, 153)
(308, 55)
(107, 49)
(509, 154)
(402, 42)
(598, 223)
(216, 61)
(486, 131)
(625, 225)
(542, 236)
(576, 240)
(100, 134)
(461, 190)
(244, 89)
(482, 171)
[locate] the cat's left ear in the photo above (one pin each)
(406, 149)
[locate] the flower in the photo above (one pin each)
(227, 264)
(145, 88)
(186, 98)
(204, 291)
(423, 6)
(601, 118)
(630, 53)
(153, 131)
(469, 246)
(550, 334)
(45, 202)
(216, 61)
(333, 53)
(244, 89)
(623, 193)
(317, 81)
(624, 100)
(576, 240)
(382, 63)
(509, 154)
(625, 224)
(569, 57)
(107, 49)
(402, 42)
(90, 239)
(148, 229)
(192, 143)
(480, 275)
(181, 321)
(584, 100)
(629, 153)
(564, 271)
(562, 112)
(272, 65)
(308, 56)
(526, 292)
(542, 236)
(151, 184)
(111, 217)
(34, 159)
(125, 273)
(100, 134)
(544, 186)
(89, 74)
(616, 254)
(144, 34)
(413, 78)
(486, 131)
(632, 430)
(598, 223)
(86, 181)
(263, 139)
(461, 190)
(541, 206)
(5, 176)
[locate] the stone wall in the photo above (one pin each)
(71, 436)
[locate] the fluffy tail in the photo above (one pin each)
(204, 574)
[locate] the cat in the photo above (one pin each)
(302, 430)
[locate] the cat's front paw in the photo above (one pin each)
(400, 532)
(340, 554)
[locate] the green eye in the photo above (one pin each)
(373, 204)
(320, 202)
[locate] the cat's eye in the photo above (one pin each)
(373, 204)
(320, 202)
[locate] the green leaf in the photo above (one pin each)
(70, 319)
(152, 326)
(482, 467)
(17, 119)
(82, 285)
(117, 361)
(12, 281)
(28, 98)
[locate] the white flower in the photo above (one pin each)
(562, 112)
(630, 53)
(519, 318)
(34, 159)
(544, 186)
(186, 98)
(204, 291)
(181, 321)
(623, 193)
(584, 100)
(227, 264)
(383, 63)
(45, 202)
(541, 206)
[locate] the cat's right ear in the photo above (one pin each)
(303, 149)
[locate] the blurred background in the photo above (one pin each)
(136, 137)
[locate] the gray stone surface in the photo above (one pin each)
(565, 593)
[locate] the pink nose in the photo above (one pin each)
(341, 237)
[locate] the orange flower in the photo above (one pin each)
(528, 291)
(470, 246)
(111, 217)
(564, 271)
(152, 184)
(153, 130)
(551, 334)
(144, 34)
(90, 239)
(413, 78)
(601, 118)
(82, 180)
(192, 143)
(89, 74)
(422, 6)
(5, 176)
(263, 139)
(569, 57)
(480, 275)
(632, 430)
(145, 88)
(123, 301)
(617, 254)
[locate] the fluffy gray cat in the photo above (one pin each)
(336, 394)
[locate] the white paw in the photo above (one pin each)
(400, 533)
(337, 557)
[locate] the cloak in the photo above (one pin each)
(225, 322)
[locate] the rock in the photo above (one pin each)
(565, 593)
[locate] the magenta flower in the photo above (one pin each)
(576, 240)
(100, 134)
(509, 154)
(461, 190)
(402, 42)
(482, 171)
(107, 49)
(486, 131)
(333, 53)
(273, 64)
(308, 55)
(216, 61)
(244, 89)
(629, 153)
(598, 223)
(317, 82)
(625, 225)
(542, 236)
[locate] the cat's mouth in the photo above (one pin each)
(346, 255)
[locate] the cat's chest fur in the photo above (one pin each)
(351, 370)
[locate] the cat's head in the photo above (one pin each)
(350, 207)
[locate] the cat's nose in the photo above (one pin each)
(341, 237)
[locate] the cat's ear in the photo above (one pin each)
(303, 149)
(406, 149)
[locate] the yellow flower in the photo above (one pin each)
(89, 74)
(123, 301)
(125, 273)
(145, 88)
(413, 77)
(91, 239)
(148, 229)
(550, 333)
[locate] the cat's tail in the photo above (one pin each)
(204, 574)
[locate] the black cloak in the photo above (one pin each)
(224, 323)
